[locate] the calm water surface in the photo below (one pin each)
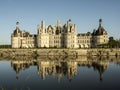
(59, 74)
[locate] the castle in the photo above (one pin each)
(58, 37)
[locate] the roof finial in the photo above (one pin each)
(100, 22)
(69, 20)
(17, 24)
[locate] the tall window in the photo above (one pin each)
(104, 40)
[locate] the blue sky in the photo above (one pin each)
(84, 13)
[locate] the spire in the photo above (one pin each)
(58, 23)
(69, 24)
(17, 26)
(100, 22)
(43, 25)
(69, 20)
(38, 28)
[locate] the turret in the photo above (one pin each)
(43, 26)
(100, 22)
(74, 28)
(68, 25)
(58, 23)
(17, 26)
(100, 26)
(39, 29)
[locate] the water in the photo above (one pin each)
(52, 73)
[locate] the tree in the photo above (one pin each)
(113, 43)
(5, 46)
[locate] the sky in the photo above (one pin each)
(84, 13)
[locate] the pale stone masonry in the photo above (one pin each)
(58, 37)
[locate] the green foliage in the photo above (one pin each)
(5, 46)
(113, 43)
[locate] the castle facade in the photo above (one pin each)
(58, 37)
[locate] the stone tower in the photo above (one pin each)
(100, 36)
(71, 36)
(15, 37)
(43, 36)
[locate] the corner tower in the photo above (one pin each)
(15, 37)
(100, 36)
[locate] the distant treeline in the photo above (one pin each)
(5, 46)
(113, 43)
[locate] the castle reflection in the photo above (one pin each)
(59, 66)
(68, 68)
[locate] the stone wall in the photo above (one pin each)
(103, 52)
(59, 52)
